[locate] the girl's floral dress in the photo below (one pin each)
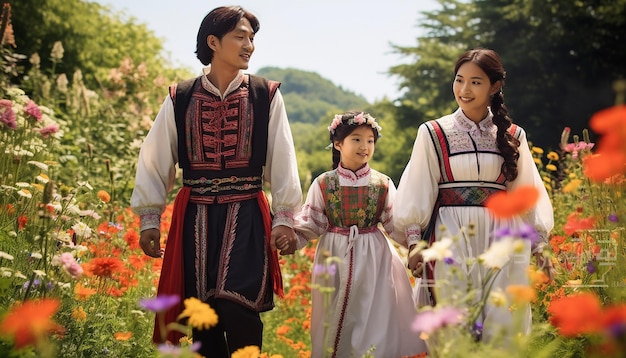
(362, 297)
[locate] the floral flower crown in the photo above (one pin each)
(358, 119)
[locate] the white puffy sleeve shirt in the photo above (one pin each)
(156, 171)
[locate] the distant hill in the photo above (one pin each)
(309, 97)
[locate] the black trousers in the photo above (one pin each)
(237, 327)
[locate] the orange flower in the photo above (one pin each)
(123, 336)
(575, 224)
(282, 330)
(601, 166)
(79, 314)
(507, 204)
(82, 293)
(105, 266)
(521, 294)
(104, 196)
(31, 321)
(576, 314)
(611, 151)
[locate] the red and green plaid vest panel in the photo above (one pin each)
(361, 206)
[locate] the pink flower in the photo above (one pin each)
(429, 321)
(49, 129)
(7, 115)
(574, 148)
(359, 118)
(32, 110)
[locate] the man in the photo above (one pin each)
(229, 133)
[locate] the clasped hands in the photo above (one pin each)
(416, 263)
(284, 240)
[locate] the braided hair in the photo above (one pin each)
(489, 61)
(344, 124)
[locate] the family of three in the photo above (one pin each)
(229, 133)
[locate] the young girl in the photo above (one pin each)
(457, 162)
(360, 284)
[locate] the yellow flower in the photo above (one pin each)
(247, 352)
(38, 187)
(572, 186)
(537, 150)
(553, 156)
(572, 175)
(79, 314)
(551, 167)
(497, 298)
(537, 161)
(201, 315)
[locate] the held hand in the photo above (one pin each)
(283, 239)
(415, 261)
(544, 263)
(150, 242)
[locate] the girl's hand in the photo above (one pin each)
(544, 263)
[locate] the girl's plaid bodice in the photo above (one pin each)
(361, 206)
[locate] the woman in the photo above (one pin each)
(457, 162)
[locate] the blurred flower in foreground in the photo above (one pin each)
(200, 314)
(31, 322)
(247, 352)
(160, 303)
(610, 157)
(576, 314)
(506, 204)
(429, 321)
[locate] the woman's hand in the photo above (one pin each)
(416, 261)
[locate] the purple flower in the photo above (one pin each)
(321, 269)
(613, 218)
(477, 331)
(169, 349)
(591, 267)
(160, 303)
(449, 260)
(429, 321)
(528, 232)
(502, 232)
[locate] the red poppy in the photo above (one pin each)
(575, 224)
(105, 266)
(576, 314)
(507, 204)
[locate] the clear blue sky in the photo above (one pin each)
(345, 41)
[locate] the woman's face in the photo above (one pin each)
(472, 91)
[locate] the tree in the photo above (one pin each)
(561, 58)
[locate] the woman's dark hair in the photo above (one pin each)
(218, 23)
(344, 124)
(489, 61)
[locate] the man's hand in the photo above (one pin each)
(283, 239)
(150, 242)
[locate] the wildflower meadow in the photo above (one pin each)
(74, 281)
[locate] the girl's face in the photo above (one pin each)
(357, 148)
(472, 91)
